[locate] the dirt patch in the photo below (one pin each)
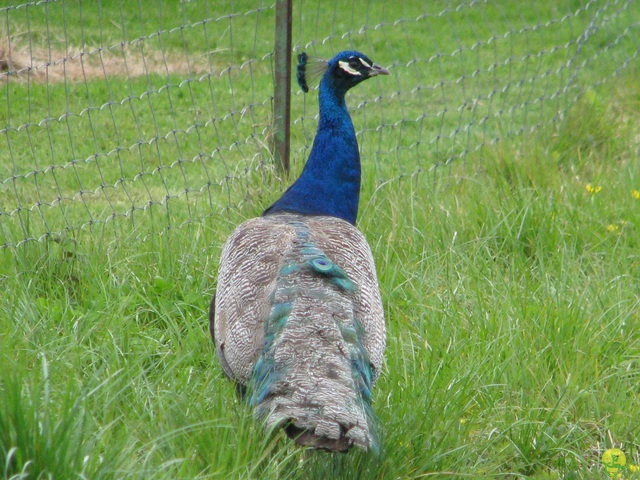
(21, 64)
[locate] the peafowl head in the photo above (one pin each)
(344, 71)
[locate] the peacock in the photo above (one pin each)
(297, 317)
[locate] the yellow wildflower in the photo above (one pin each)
(612, 228)
(591, 189)
(635, 194)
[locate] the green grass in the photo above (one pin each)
(511, 294)
(511, 278)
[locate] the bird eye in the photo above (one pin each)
(354, 63)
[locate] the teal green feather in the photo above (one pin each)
(322, 265)
(279, 311)
(288, 269)
(344, 284)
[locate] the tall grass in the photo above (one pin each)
(511, 280)
(511, 285)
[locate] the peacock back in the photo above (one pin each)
(298, 320)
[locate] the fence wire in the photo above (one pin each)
(137, 117)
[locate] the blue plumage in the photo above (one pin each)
(330, 181)
(297, 318)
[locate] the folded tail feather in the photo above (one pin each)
(313, 376)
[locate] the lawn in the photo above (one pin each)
(501, 199)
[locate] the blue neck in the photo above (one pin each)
(330, 181)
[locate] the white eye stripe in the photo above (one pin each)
(345, 66)
(364, 62)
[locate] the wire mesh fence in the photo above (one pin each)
(144, 116)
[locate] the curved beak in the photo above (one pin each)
(378, 70)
